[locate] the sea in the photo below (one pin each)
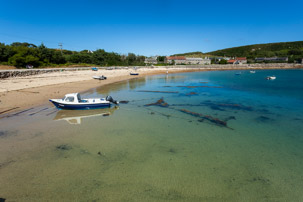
(199, 136)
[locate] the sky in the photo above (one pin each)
(151, 27)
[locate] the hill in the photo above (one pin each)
(292, 50)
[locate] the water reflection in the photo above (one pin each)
(76, 116)
(135, 83)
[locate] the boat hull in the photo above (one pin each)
(79, 106)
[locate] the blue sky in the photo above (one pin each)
(151, 27)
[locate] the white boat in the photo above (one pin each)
(252, 72)
(99, 77)
(271, 78)
(74, 101)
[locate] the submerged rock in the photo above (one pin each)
(206, 117)
(264, 119)
(123, 102)
(156, 91)
(191, 93)
(64, 147)
(160, 103)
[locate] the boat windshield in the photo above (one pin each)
(69, 99)
(79, 97)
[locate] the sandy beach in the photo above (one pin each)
(17, 93)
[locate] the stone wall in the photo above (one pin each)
(27, 72)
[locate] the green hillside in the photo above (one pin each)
(292, 50)
(190, 54)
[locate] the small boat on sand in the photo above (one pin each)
(100, 77)
(95, 69)
(74, 101)
(134, 74)
(270, 77)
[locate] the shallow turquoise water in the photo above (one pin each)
(239, 140)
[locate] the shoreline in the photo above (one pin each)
(19, 93)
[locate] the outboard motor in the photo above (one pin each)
(110, 99)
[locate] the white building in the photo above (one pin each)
(198, 61)
(175, 59)
(151, 60)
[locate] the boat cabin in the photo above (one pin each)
(73, 97)
(76, 98)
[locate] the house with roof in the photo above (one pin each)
(272, 59)
(151, 60)
(175, 59)
(238, 60)
(198, 61)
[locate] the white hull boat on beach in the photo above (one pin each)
(99, 77)
(74, 101)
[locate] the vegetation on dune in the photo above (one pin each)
(22, 54)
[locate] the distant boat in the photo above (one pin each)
(74, 101)
(94, 68)
(134, 74)
(238, 73)
(271, 78)
(252, 72)
(100, 77)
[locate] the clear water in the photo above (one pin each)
(154, 153)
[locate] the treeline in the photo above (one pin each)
(292, 50)
(21, 55)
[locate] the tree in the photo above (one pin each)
(18, 60)
(223, 62)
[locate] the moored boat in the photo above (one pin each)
(252, 72)
(270, 77)
(134, 74)
(100, 77)
(74, 101)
